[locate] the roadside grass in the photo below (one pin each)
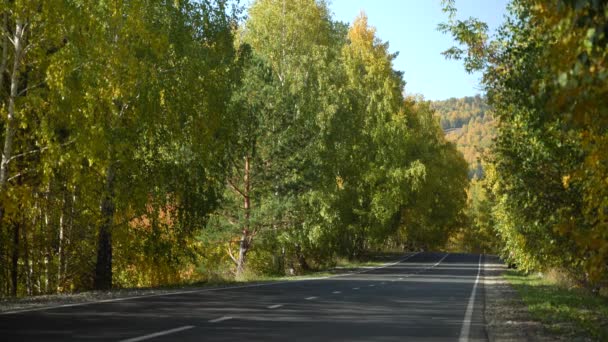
(340, 265)
(369, 260)
(345, 263)
(573, 313)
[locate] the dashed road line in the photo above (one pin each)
(157, 334)
(337, 292)
(276, 306)
(121, 299)
(310, 298)
(220, 319)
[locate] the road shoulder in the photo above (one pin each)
(44, 302)
(506, 316)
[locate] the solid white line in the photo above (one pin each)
(160, 333)
(199, 290)
(466, 323)
(274, 306)
(310, 298)
(223, 318)
(336, 292)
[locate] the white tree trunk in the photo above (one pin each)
(4, 38)
(11, 124)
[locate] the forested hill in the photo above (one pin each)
(468, 122)
(457, 112)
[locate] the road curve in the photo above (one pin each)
(424, 297)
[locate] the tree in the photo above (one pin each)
(543, 79)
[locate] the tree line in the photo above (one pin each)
(544, 72)
(156, 142)
(457, 112)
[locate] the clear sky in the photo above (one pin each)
(410, 26)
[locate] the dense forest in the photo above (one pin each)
(158, 142)
(468, 122)
(545, 190)
(456, 113)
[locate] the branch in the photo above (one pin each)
(20, 174)
(30, 88)
(36, 151)
(231, 219)
(44, 82)
(235, 188)
(236, 167)
(231, 255)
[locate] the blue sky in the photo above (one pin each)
(410, 26)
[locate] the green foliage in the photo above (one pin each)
(545, 78)
(116, 147)
(149, 143)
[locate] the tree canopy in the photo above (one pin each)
(545, 78)
(149, 143)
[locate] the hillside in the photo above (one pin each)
(469, 123)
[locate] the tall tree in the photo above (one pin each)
(544, 77)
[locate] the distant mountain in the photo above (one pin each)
(468, 122)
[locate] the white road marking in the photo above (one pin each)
(274, 306)
(439, 262)
(355, 288)
(221, 319)
(466, 323)
(336, 292)
(371, 285)
(157, 334)
(310, 298)
(200, 290)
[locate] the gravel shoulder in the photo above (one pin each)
(507, 317)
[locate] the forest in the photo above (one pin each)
(149, 143)
(544, 194)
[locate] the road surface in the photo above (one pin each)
(423, 297)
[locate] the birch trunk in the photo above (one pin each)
(103, 267)
(7, 151)
(11, 121)
(60, 249)
(246, 236)
(26, 261)
(15, 261)
(4, 61)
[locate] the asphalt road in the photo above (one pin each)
(425, 297)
